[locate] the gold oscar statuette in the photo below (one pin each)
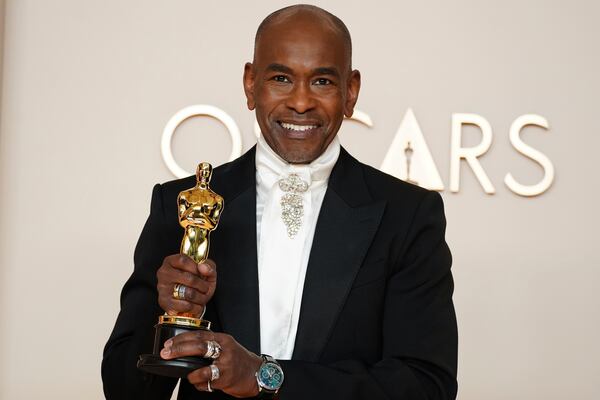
(199, 210)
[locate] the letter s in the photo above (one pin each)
(528, 151)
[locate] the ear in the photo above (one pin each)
(249, 85)
(352, 90)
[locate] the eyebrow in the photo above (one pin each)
(279, 68)
(331, 71)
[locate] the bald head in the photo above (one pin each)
(308, 14)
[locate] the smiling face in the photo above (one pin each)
(301, 85)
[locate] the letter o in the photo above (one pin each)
(192, 111)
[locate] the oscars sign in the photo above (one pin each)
(408, 157)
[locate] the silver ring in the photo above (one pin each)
(208, 388)
(182, 289)
(214, 372)
(179, 291)
(213, 350)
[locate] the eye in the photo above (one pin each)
(323, 81)
(281, 78)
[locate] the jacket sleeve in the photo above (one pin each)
(419, 351)
(133, 333)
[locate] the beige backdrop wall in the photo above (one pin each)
(1, 49)
(89, 85)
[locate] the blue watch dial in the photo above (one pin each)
(271, 376)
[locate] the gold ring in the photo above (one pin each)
(179, 291)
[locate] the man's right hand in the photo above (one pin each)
(200, 281)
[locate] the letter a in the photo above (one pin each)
(408, 157)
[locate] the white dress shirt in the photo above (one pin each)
(282, 260)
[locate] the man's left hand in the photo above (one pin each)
(237, 366)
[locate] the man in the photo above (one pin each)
(338, 271)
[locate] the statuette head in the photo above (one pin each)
(203, 173)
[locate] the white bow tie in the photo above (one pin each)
(291, 183)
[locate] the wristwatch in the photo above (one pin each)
(269, 377)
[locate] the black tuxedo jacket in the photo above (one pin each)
(377, 319)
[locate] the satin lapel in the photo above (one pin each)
(345, 229)
(233, 245)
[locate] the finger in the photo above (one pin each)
(187, 344)
(168, 280)
(193, 300)
(203, 387)
(208, 270)
(194, 296)
(183, 349)
(200, 376)
(182, 262)
(174, 307)
(200, 335)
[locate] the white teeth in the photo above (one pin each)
(293, 127)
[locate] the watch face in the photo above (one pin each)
(270, 376)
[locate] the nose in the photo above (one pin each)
(300, 99)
